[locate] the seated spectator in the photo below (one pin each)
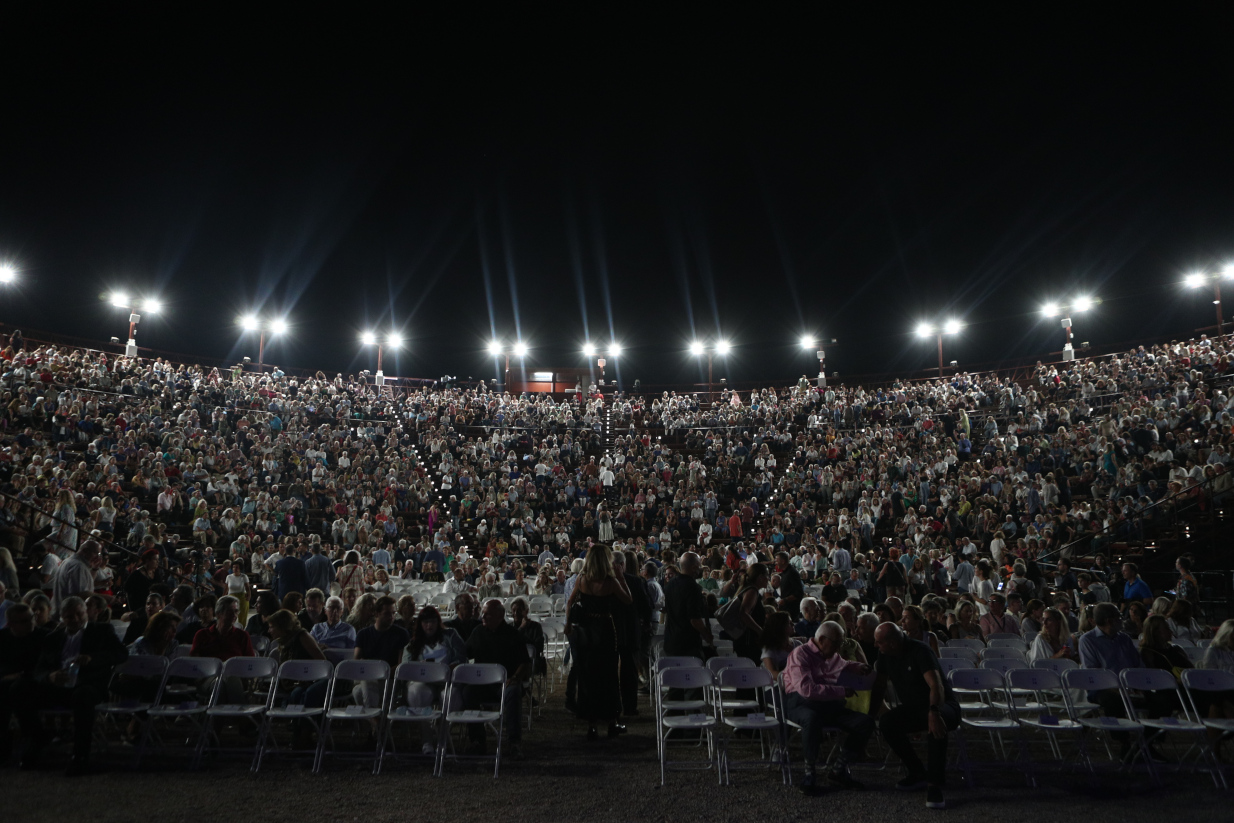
(814, 698)
(432, 642)
(777, 641)
(406, 610)
(137, 620)
(496, 641)
(224, 639)
(293, 642)
(160, 638)
(1218, 655)
(812, 616)
(465, 621)
(314, 610)
(1054, 641)
(266, 605)
(364, 612)
(333, 633)
(73, 670)
(201, 616)
(1181, 618)
(926, 704)
(457, 584)
(964, 623)
(915, 626)
(996, 620)
(530, 630)
(489, 588)
(384, 640)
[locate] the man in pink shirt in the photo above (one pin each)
(814, 699)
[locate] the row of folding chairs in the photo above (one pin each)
(1051, 701)
(197, 720)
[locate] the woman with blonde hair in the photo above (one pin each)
(589, 622)
(1054, 641)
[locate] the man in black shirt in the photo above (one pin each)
(496, 641)
(926, 704)
(384, 640)
(791, 588)
(686, 630)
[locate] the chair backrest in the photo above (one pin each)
(301, 670)
(1001, 664)
(184, 650)
(997, 637)
(261, 643)
(1195, 653)
(741, 678)
(250, 667)
(968, 643)
(1008, 643)
(1003, 653)
(686, 677)
(1037, 680)
(479, 674)
(337, 656)
(1208, 680)
(431, 673)
(976, 679)
(718, 664)
(1058, 665)
(961, 652)
(678, 663)
(1148, 680)
(948, 664)
(1092, 680)
(143, 665)
(194, 667)
(362, 670)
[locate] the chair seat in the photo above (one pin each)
(120, 708)
(395, 716)
(176, 711)
(237, 710)
(741, 705)
(1114, 724)
(1221, 724)
(685, 721)
(682, 705)
(746, 723)
(1063, 724)
(302, 711)
(350, 714)
(1173, 724)
(991, 724)
(473, 716)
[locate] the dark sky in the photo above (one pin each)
(746, 175)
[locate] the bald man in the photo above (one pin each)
(686, 629)
(926, 704)
(814, 699)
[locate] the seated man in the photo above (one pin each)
(384, 640)
(489, 588)
(996, 620)
(313, 612)
(73, 670)
(926, 704)
(1108, 647)
(496, 641)
(464, 621)
(333, 633)
(814, 699)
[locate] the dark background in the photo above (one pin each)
(656, 178)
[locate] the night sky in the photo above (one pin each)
(624, 175)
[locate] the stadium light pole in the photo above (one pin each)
(927, 330)
(720, 347)
(497, 349)
(1198, 279)
(371, 339)
(251, 322)
(121, 300)
(1078, 305)
(808, 343)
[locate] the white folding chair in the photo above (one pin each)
(1010, 642)
(1210, 681)
(373, 672)
(1195, 654)
(717, 664)
(261, 644)
(295, 671)
(1099, 680)
(435, 675)
(689, 678)
(1160, 681)
(475, 675)
(337, 656)
(958, 653)
(1005, 653)
(147, 667)
(759, 680)
(967, 643)
(991, 690)
(244, 668)
(1041, 684)
(998, 637)
(193, 712)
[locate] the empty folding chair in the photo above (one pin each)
(1161, 684)
(337, 656)
(1195, 654)
(1013, 642)
(1102, 680)
(476, 675)
(724, 648)
(140, 675)
(435, 677)
(1210, 682)
(1043, 685)
(699, 720)
(246, 669)
(192, 712)
(659, 702)
(959, 652)
(739, 678)
(374, 672)
(998, 638)
(991, 690)
(1005, 653)
(716, 664)
(298, 672)
(967, 643)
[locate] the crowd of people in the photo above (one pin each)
(207, 507)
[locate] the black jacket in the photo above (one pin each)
(101, 645)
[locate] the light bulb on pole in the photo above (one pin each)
(122, 300)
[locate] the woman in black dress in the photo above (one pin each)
(589, 621)
(753, 614)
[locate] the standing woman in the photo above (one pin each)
(351, 575)
(589, 621)
(239, 587)
(752, 613)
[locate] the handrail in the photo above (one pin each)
(35, 510)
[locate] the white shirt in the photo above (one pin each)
(74, 577)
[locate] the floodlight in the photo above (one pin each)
(696, 348)
(520, 349)
(1082, 304)
(589, 350)
(368, 339)
(807, 342)
(119, 299)
(394, 341)
(925, 330)
(1228, 271)
(494, 348)
(722, 347)
(1194, 280)
(1050, 309)
(951, 327)
(614, 349)
(278, 326)
(249, 322)
(7, 274)
(151, 306)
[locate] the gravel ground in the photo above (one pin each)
(563, 776)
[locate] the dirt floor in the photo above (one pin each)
(563, 776)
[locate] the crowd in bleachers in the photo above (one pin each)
(196, 510)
